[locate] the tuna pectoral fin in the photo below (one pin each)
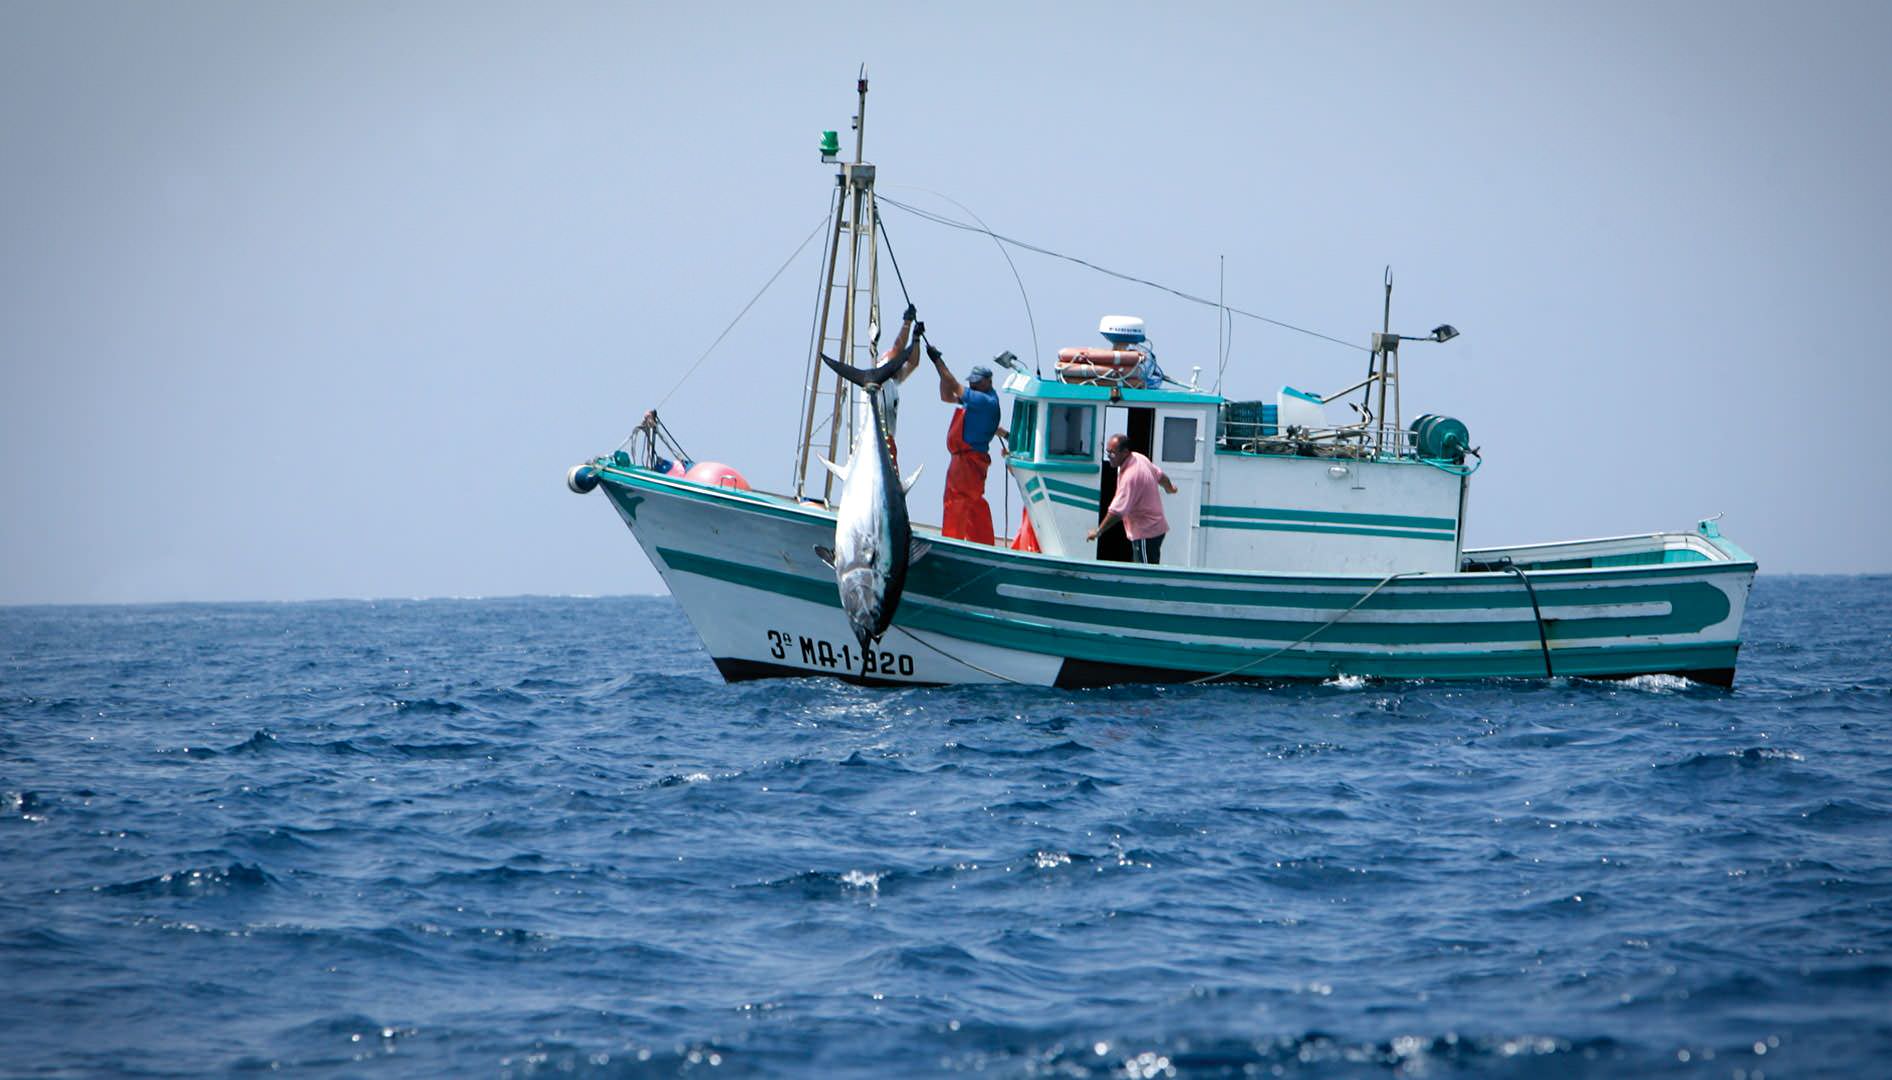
(917, 550)
(907, 485)
(826, 555)
(832, 467)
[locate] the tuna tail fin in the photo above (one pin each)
(907, 484)
(864, 378)
(839, 472)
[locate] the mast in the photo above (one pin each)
(1386, 354)
(859, 286)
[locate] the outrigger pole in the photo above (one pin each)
(856, 217)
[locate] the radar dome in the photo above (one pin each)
(1121, 329)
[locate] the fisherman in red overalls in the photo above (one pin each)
(967, 515)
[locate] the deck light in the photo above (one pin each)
(1444, 332)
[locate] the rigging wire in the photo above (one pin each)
(1228, 347)
(809, 386)
(1191, 297)
(745, 310)
(1030, 319)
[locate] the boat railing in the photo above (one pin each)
(1347, 441)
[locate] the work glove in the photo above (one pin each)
(919, 329)
(933, 354)
(910, 314)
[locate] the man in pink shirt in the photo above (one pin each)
(1137, 504)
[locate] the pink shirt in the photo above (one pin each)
(1139, 503)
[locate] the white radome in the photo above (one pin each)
(1121, 329)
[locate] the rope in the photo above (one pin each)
(745, 310)
(1310, 634)
(960, 660)
(1191, 297)
(1385, 581)
(881, 228)
(1543, 641)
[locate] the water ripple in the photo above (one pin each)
(483, 837)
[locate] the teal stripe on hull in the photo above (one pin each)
(1118, 642)
(1031, 465)
(1326, 530)
(1399, 521)
(1694, 606)
(1068, 488)
(1053, 573)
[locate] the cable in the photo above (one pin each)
(1191, 297)
(809, 387)
(880, 227)
(745, 310)
(1030, 319)
(959, 660)
(1543, 641)
(1310, 634)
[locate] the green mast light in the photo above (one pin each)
(830, 145)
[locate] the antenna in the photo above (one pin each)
(1387, 357)
(1221, 313)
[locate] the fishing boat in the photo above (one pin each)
(1299, 547)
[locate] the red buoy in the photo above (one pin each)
(716, 474)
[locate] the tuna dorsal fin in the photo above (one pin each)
(907, 484)
(826, 555)
(917, 549)
(832, 467)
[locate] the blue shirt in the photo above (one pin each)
(982, 419)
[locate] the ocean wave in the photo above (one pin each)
(195, 881)
(1745, 758)
(549, 858)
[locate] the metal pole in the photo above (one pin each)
(821, 337)
(860, 115)
(846, 346)
(1221, 313)
(1386, 328)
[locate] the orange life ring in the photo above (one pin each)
(1092, 375)
(1115, 359)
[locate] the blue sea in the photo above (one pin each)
(541, 837)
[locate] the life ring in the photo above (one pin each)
(1114, 367)
(1125, 360)
(1092, 375)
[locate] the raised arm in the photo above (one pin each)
(900, 339)
(949, 389)
(912, 353)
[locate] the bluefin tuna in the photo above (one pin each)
(873, 541)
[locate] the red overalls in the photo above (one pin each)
(967, 516)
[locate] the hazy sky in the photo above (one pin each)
(305, 301)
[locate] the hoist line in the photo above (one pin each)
(880, 229)
(938, 219)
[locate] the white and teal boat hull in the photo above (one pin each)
(742, 565)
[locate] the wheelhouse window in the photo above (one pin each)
(1071, 431)
(1024, 422)
(1179, 439)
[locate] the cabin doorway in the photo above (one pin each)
(1139, 425)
